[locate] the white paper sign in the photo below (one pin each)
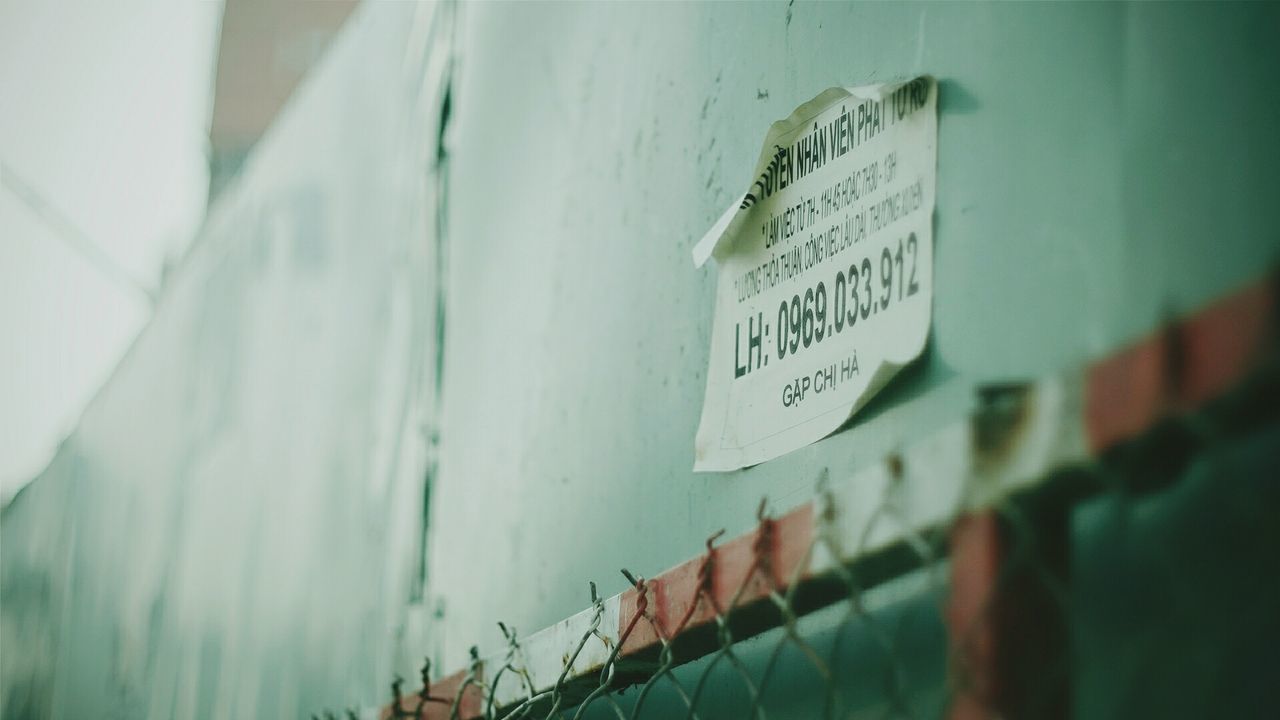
(825, 272)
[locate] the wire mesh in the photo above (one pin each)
(1040, 605)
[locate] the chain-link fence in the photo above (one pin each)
(1139, 581)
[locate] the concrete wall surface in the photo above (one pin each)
(1100, 168)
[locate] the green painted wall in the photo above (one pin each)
(1099, 167)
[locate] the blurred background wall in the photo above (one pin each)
(246, 490)
(103, 184)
